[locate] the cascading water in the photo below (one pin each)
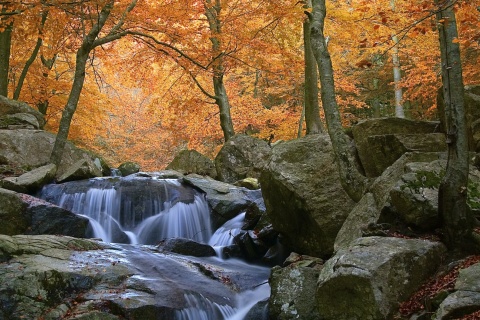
(147, 210)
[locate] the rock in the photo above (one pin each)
(472, 114)
(80, 170)
(225, 200)
(241, 156)
(368, 279)
(292, 292)
(192, 161)
(380, 142)
(31, 181)
(32, 149)
(375, 205)
(128, 168)
(303, 195)
(20, 113)
(466, 298)
(187, 247)
(19, 121)
(249, 183)
(52, 277)
(24, 214)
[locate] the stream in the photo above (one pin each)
(137, 213)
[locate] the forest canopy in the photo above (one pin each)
(148, 92)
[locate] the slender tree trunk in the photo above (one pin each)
(43, 104)
(300, 121)
(311, 108)
(212, 12)
(78, 81)
(351, 179)
(453, 209)
(397, 74)
(32, 58)
(397, 78)
(5, 44)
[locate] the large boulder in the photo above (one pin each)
(128, 168)
(293, 290)
(24, 214)
(30, 181)
(380, 142)
(82, 169)
(15, 114)
(241, 156)
(225, 200)
(375, 206)
(466, 297)
(303, 195)
(32, 148)
(472, 114)
(192, 161)
(369, 279)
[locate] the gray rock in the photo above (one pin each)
(32, 148)
(303, 195)
(80, 170)
(467, 297)
(187, 247)
(192, 161)
(241, 156)
(24, 214)
(472, 114)
(13, 108)
(375, 206)
(225, 200)
(368, 279)
(292, 293)
(31, 181)
(20, 121)
(128, 168)
(380, 142)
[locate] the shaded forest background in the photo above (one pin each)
(148, 94)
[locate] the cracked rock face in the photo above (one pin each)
(52, 277)
(368, 279)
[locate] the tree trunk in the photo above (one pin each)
(78, 81)
(452, 206)
(397, 74)
(351, 179)
(32, 58)
(5, 44)
(312, 110)
(212, 13)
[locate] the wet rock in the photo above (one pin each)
(242, 156)
(225, 200)
(192, 161)
(369, 278)
(303, 195)
(24, 214)
(187, 247)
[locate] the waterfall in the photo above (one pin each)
(146, 210)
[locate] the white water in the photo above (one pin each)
(114, 219)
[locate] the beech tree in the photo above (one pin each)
(90, 41)
(351, 179)
(452, 195)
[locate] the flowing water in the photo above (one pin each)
(144, 210)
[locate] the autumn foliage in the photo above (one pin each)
(146, 95)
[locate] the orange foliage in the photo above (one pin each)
(140, 101)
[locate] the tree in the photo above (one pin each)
(453, 209)
(351, 179)
(5, 44)
(90, 41)
(397, 75)
(311, 108)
